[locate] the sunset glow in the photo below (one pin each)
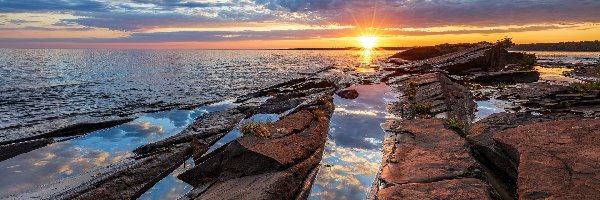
(289, 24)
(367, 42)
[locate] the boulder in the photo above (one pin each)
(348, 94)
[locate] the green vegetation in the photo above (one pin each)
(455, 124)
(505, 43)
(589, 46)
(598, 69)
(527, 60)
(501, 85)
(586, 87)
(412, 90)
(423, 108)
(258, 129)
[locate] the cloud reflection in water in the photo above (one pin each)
(353, 153)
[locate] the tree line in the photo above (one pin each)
(586, 46)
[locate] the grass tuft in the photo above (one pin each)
(501, 86)
(423, 108)
(455, 124)
(258, 129)
(412, 90)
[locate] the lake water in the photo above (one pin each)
(44, 88)
(41, 89)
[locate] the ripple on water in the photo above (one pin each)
(354, 147)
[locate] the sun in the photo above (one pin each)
(367, 42)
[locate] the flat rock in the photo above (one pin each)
(424, 153)
(459, 189)
(557, 159)
(507, 77)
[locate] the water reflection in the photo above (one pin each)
(491, 106)
(366, 56)
(173, 188)
(556, 74)
(99, 148)
(354, 149)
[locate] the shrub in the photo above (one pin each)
(505, 43)
(258, 129)
(412, 90)
(423, 108)
(527, 60)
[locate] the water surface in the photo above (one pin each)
(354, 147)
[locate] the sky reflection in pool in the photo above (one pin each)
(173, 188)
(98, 148)
(353, 152)
(491, 106)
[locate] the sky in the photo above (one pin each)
(260, 24)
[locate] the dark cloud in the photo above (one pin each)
(184, 4)
(427, 13)
(52, 5)
(36, 28)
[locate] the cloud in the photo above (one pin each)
(19, 21)
(214, 36)
(429, 13)
(184, 4)
(52, 5)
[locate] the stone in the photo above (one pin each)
(276, 167)
(424, 160)
(507, 77)
(458, 189)
(556, 159)
(348, 94)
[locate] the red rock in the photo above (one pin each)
(557, 159)
(348, 94)
(459, 189)
(422, 155)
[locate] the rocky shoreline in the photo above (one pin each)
(545, 147)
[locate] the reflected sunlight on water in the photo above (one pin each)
(555, 74)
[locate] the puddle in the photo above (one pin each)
(491, 106)
(173, 188)
(555, 74)
(98, 148)
(354, 148)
